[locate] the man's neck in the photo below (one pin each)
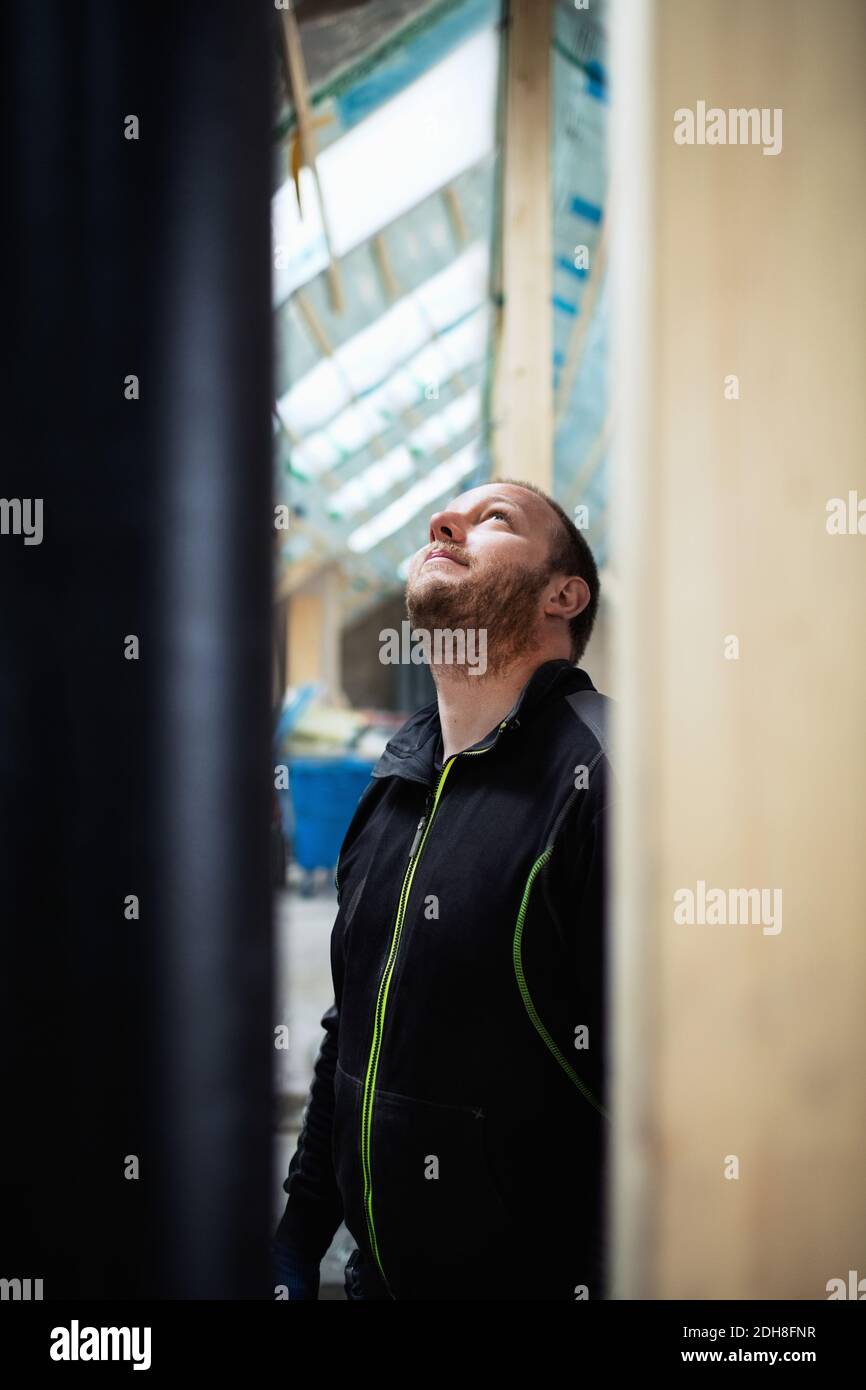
(470, 706)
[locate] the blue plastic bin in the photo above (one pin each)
(322, 796)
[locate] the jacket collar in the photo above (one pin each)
(411, 753)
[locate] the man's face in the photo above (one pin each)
(485, 566)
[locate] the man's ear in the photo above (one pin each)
(566, 597)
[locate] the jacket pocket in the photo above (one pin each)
(442, 1228)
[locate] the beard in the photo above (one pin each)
(501, 602)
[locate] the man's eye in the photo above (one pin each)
(504, 515)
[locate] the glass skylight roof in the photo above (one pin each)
(385, 408)
(391, 377)
(437, 482)
(412, 145)
(379, 478)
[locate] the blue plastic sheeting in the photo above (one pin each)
(580, 347)
(588, 211)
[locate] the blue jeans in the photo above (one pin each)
(300, 1277)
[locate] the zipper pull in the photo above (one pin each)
(422, 822)
(416, 842)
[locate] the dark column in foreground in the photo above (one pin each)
(152, 1036)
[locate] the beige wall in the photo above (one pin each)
(749, 772)
(313, 617)
(522, 425)
(596, 659)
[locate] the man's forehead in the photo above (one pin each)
(488, 492)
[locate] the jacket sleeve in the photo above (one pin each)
(314, 1208)
(581, 900)
(577, 896)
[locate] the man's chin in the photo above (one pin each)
(425, 587)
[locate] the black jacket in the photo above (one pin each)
(455, 1120)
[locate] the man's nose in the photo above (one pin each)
(447, 526)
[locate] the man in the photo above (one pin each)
(457, 1118)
